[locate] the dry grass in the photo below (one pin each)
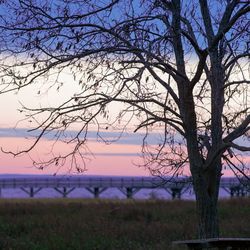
(108, 224)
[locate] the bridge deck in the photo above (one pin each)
(128, 185)
(107, 182)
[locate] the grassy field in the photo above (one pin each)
(66, 224)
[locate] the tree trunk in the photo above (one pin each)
(206, 186)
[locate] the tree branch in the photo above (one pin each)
(239, 147)
(239, 131)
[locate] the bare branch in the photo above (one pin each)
(239, 131)
(240, 148)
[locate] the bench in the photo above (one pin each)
(219, 243)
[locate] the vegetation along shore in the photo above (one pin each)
(66, 224)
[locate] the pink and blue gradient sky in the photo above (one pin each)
(119, 158)
(116, 159)
(120, 162)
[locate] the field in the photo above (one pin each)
(66, 224)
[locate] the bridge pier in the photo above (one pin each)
(64, 191)
(237, 191)
(129, 191)
(31, 191)
(175, 192)
(96, 191)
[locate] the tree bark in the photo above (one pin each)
(206, 186)
(206, 180)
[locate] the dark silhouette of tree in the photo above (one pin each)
(182, 66)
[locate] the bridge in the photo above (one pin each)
(127, 185)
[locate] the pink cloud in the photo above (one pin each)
(114, 159)
(111, 159)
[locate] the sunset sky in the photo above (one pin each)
(121, 157)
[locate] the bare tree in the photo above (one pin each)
(181, 66)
